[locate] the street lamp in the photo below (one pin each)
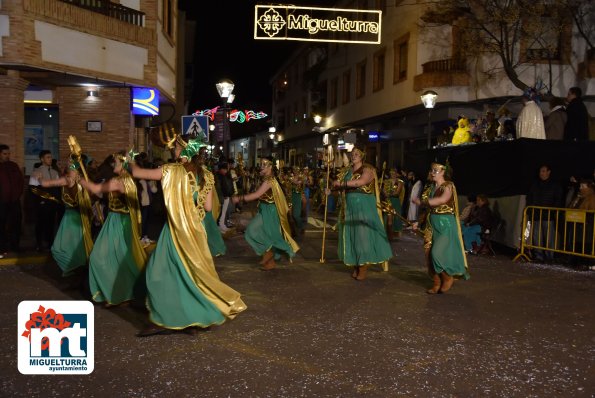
(317, 119)
(272, 131)
(428, 98)
(225, 90)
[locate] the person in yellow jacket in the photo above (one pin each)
(462, 133)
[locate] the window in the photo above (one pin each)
(547, 41)
(401, 50)
(378, 83)
(360, 80)
(168, 19)
(333, 93)
(346, 86)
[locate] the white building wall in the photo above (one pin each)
(90, 52)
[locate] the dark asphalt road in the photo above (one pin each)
(513, 330)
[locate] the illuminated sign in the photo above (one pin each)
(337, 25)
(373, 136)
(145, 101)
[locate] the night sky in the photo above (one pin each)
(233, 53)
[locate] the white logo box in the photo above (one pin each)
(42, 325)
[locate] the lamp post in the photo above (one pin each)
(428, 98)
(225, 90)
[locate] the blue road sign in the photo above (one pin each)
(196, 125)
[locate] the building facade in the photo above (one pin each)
(372, 92)
(67, 68)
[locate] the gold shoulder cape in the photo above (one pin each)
(216, 205)
(190, 239)
(140, 256)
(282, 209)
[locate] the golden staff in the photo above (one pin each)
(76, 150)
(382, 175)
(329, 157)
(386, 207)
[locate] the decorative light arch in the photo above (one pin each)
(235, 115)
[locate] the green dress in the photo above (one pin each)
(183, 288)
(118, 259)
(269, 229)
(73, 241)
(390, 189)
(447, 242)
(215, 239)
(296, 207)
(362, 236)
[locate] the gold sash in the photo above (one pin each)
(282, 209)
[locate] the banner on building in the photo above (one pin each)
(317, 24)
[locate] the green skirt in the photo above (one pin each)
(296, 209)
(397, 223)
(264, 232)
(173, 299)
(69, 247)
(114, 276)
(362, 237)
(447, 248)
(214, 238)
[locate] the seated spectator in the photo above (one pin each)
(479, 221)
(466, 212)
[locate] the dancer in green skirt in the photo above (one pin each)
(73, 242)
(118, 259)
(183, 288)
(362, 236)
(297, 184)
(395, 190)
(214, 238)
(269, 232)
(446, 253)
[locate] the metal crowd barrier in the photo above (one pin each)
(559, 230)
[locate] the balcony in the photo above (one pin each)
(112, 10)
(442, 73)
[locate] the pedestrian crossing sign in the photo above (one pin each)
(197, 126)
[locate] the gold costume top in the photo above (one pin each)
(391, 188)
(78, 196)
(190, 238)
(370, 188)
(446, 208)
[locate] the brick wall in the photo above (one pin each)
(12, 115)
(111, 108)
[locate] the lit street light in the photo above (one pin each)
(428, 98)
(225, 90)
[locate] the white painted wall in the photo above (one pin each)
(90, 52)
(166, 78)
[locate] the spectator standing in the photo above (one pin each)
(556, 120)
(530, 121)
(11, 189)
(416, 187)
(225, 191)
(577, 125)
(46, 205)
(544, 193)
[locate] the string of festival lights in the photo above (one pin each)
(235, 115)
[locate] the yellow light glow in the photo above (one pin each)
(37, 102)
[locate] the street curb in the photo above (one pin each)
(37, 260)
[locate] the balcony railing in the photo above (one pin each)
(112, 10)
(445, 65)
